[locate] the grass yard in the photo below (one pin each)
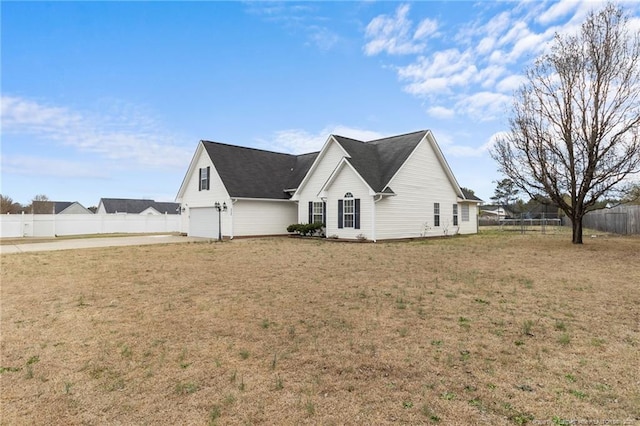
(499, 328)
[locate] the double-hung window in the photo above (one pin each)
(317, 212)
(436, 214)
(455, 215)
(349, 210)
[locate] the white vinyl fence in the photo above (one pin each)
(50, 225)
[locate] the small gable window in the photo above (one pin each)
(436, 214)
(205, 174)
(455, 215)
(349, 212)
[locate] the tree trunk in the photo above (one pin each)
(576, 224)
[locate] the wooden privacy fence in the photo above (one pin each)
(49, 225)
(623, 220)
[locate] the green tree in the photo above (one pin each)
(506, 192)
(470, 191)
(575, 125)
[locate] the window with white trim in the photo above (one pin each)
(465, 213)
(455, 215)
(317, 215)
(349, 210)
(436, 214)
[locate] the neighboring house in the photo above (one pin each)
(135, 206)
(70, 207)
(59, 207)
(495, 212)
(396, 187)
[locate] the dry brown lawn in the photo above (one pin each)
(498, 328)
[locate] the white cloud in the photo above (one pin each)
(486, 45)
(426, 28)
(119, 134)
(299, 19)
(474, 151)
(439, 73)
(488, 76)
(484, 106)
(556, 11)
(510, 84)
(441, 112)
(299, 141)
(52, 167)
(475, 66)
(322, 37)
(393, 34)
(517, 30)
(634, 25)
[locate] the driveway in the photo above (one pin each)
(83, 243)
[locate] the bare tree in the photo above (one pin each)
(574, 132)
(632, 194)
(41, 205)
(7, 205)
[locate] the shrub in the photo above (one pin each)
(305, 228)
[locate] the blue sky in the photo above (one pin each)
(109, 99)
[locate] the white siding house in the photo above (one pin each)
(310, 187)
(396, 187)
(420, 184)
(250, 183)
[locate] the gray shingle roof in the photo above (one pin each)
(469, 196)
(378, 161)
(134, 206)
(256, 173)
(59, 206)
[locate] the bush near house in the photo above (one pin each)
(306, 229)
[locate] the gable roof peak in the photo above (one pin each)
(376, 141)
(377, 161)
(347, 138)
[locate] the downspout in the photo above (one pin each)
(324, 201)
(233, 201)
(373, 217)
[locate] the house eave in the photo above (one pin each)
(466, 200)
(261, 199)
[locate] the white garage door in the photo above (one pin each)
(203, 222)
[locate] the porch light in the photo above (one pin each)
(220, 208)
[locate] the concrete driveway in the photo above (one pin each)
(83, 243)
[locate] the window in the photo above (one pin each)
(436, 214)
(317, 212)
(349, 212)
(204, 178)
(455, 215)
(465, 213)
